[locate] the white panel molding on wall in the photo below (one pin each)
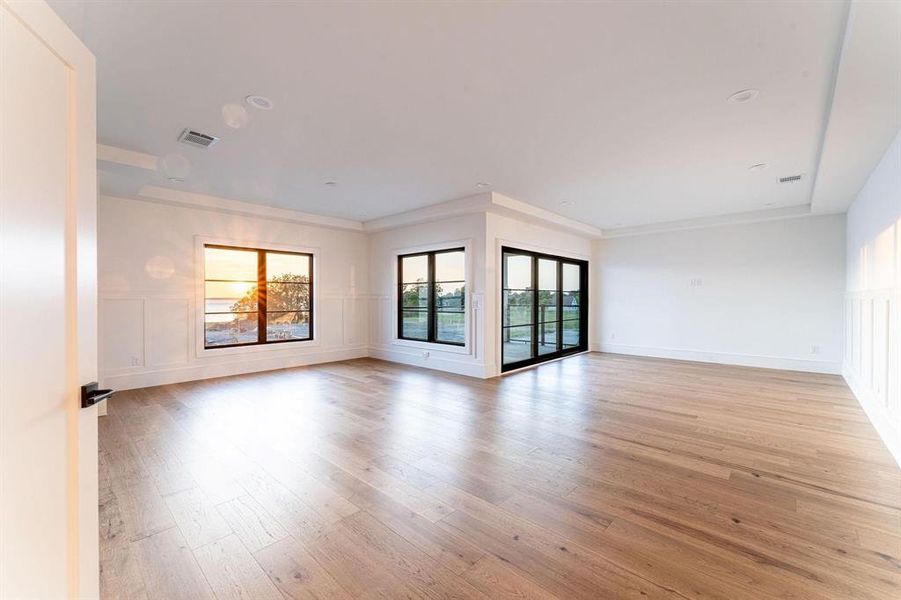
(133, 359)
(872, 364)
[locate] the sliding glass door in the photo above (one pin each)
(544, 305)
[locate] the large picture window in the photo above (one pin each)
(431, 297)
(545, 307)
(254, 296)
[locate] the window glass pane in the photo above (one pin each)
(449, 296)
(449, 266)
(571, 312)
(517, 272)
(415, 324)
(571, 279)
(547, 338)
(450, 327)
(232, 265)
(287, 296)
(570, 333)
(230, 296)
(227, 329)
(415, 269)
(517, 343)
(287, 326)
(547, 306)
(517, 307)
(547, 274)
(415, 296)
(287, 267)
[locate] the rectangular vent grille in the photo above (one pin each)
(789, 179)
(195, 138)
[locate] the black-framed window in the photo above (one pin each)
(431, 305)
(256, 296)
(544, 300)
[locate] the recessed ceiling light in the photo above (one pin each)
(742, 96)
(565, 203)
(261, 102)
(331, 183)
(768, 204)
(482, 184)
(758, 167)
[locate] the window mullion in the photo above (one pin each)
(559, 306)
(431, 312)
(261, 296)
(535, 300)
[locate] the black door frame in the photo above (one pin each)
(583, 307)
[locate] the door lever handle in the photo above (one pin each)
(90, 395)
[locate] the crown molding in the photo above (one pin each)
(238, 207)
(476, 203)
(754, 216)
(130, 158)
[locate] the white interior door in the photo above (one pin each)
(48, 444)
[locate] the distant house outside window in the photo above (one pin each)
(255, 296)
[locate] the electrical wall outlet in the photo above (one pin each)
(425, 354)
(814, 349)
(696, 282)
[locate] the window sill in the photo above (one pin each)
(432, 346)
(253, 349)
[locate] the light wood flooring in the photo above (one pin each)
(599, 476)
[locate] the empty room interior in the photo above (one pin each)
(431, 299)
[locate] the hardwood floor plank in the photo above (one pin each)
(297, 574)
(169, 568)
(197, 518)
(497, 580)
(233, 573)
(120, 574)
(251, 522)
(414, 568)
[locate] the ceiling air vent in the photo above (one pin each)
(789, 179)
(195, 138)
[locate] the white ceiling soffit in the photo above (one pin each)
(755, 216)
(866, 105)
(613, 114)
(482, 203)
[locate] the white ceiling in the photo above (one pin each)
(617, 109)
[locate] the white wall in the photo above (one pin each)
(872, 357)
(149, 295)
(384, 248)
(763, 294)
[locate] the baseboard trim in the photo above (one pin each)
(197, 372)
(744, 360)
(448, 365)
(876, 412)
